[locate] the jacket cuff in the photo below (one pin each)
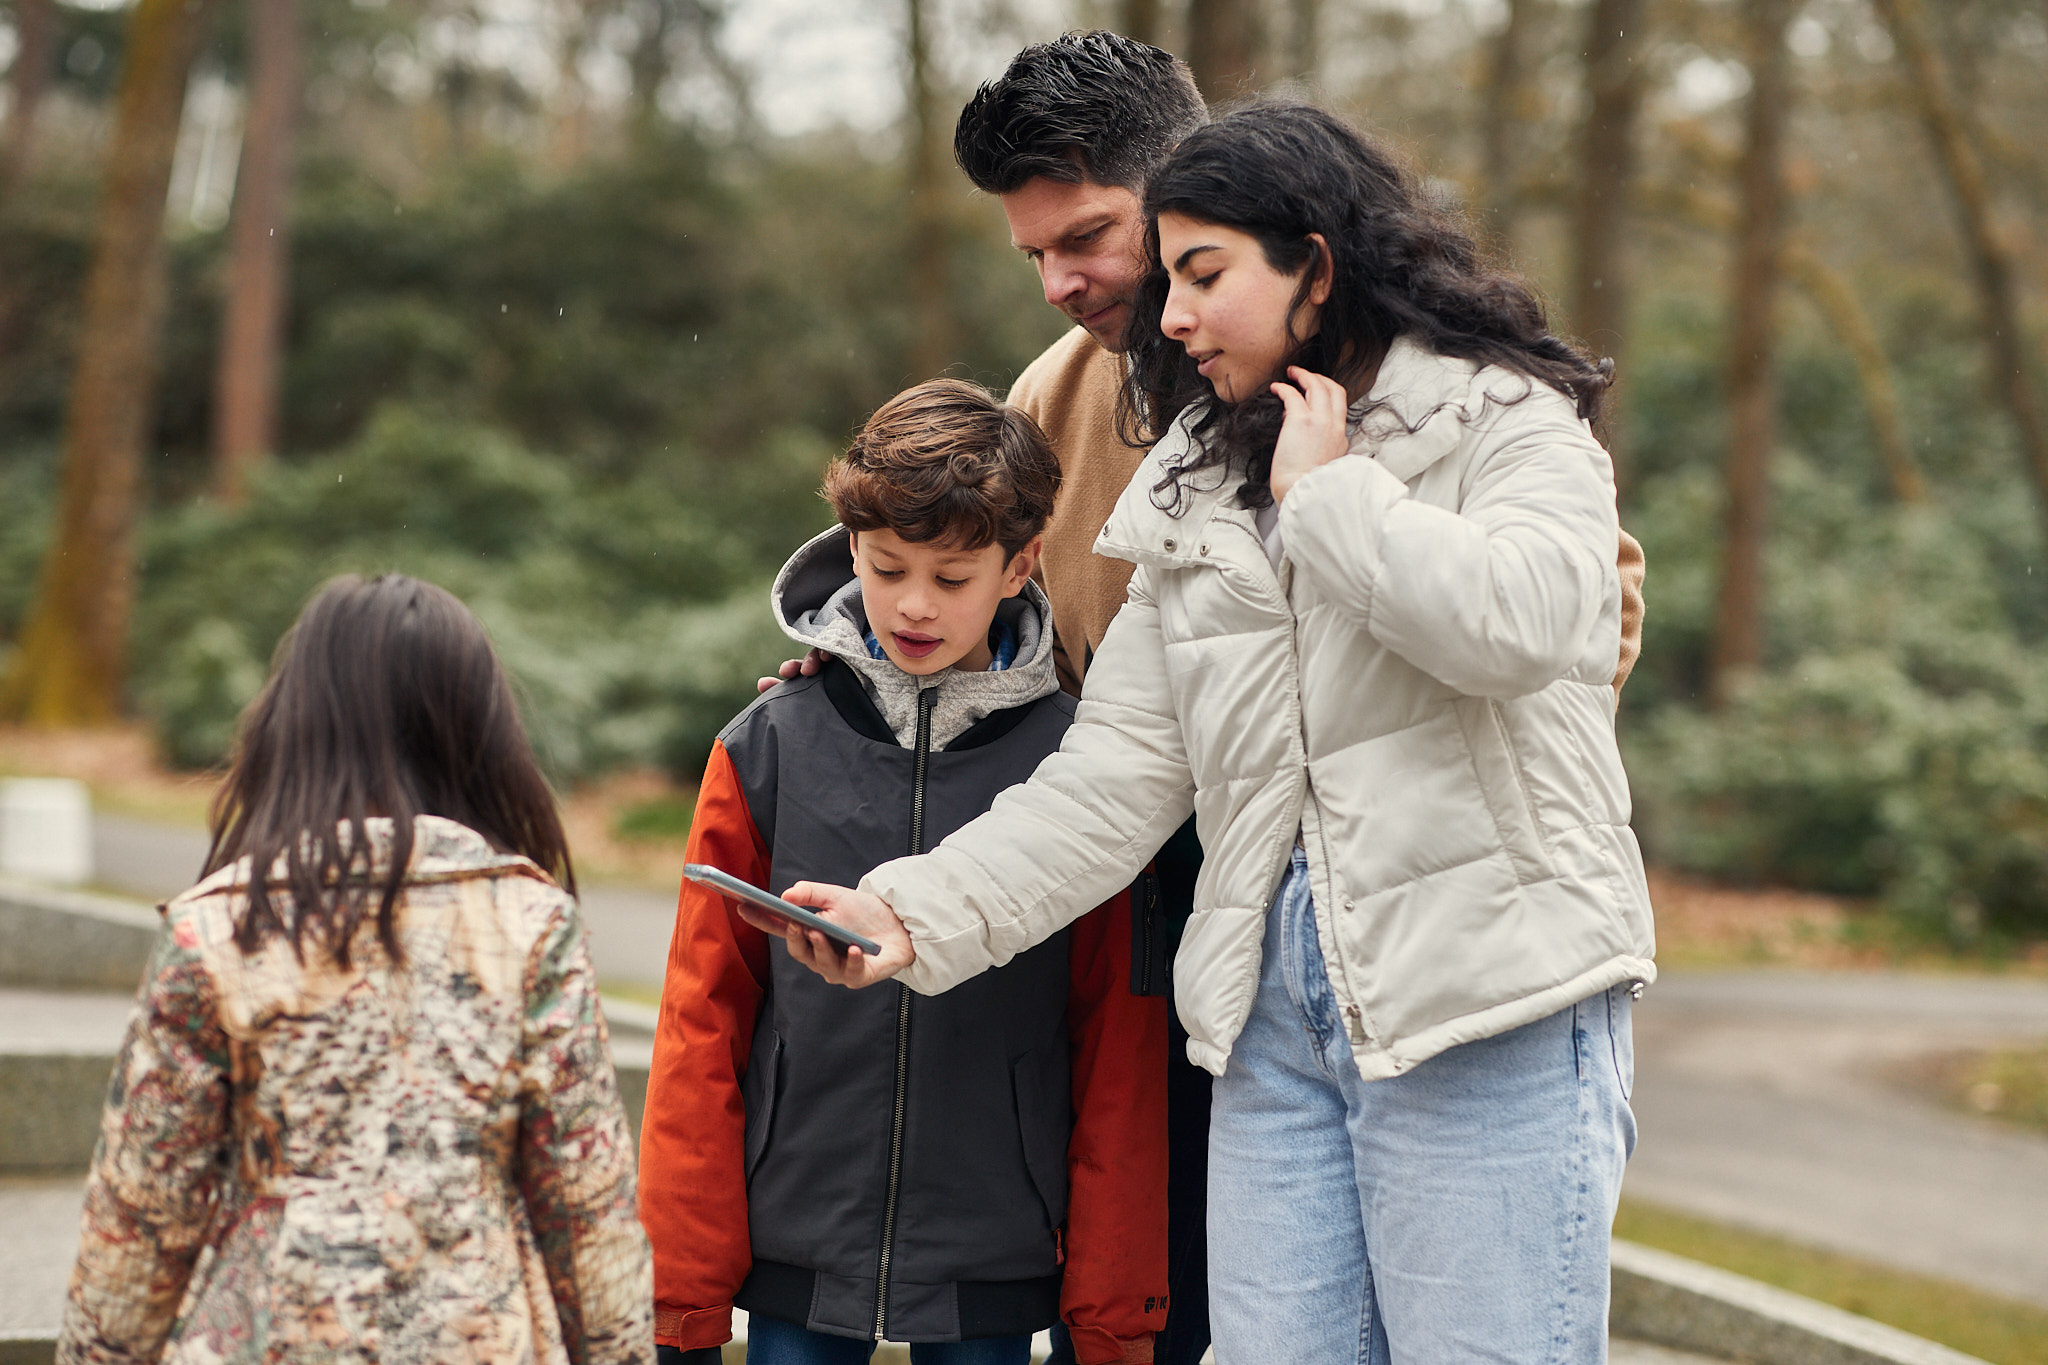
(1094, 1346)
(690, 1328)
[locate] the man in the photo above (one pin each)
(1066, 139)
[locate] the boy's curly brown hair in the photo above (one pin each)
(947, 461)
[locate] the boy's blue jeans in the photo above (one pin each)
(771, 1341)
(1458, 1212)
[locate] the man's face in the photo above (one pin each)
(1088, 242)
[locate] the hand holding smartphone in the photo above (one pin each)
(725, 883)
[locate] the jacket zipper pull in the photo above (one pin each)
(1357, 1023)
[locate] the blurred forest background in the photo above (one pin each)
(565, 304)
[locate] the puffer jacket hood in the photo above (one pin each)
(816, 600)
(1420, 691)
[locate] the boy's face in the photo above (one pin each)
(929, 603)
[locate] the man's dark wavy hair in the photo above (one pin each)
(1401, 266)
(1086, 106)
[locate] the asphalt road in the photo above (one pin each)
(1771, 1099)
(1764, 1098)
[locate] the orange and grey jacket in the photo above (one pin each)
(874, 1163)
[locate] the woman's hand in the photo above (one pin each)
(1313, 432)
(867, 915)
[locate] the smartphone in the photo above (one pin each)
(730, 885)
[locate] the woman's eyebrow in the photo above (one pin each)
(1180, 262)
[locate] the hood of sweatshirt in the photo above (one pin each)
(816, 600)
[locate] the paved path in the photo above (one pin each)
(1763, 1099)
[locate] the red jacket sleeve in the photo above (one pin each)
(693, 1189)
(1114, 1296)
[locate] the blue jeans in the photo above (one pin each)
(1458, 1212)
(771, 1341)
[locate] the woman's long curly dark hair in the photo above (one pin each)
(1401, 266)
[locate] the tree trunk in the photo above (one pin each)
(649, 60)
(35, 35)
(1222, 48)
(1837, 301)
(1607, 164)
(929, 241)
(1304, 36)
(1500, 153)
(1752, 381)
(1139, 19)
(1990, 261)
(1844, 312)
(252, 335)
(73, 650)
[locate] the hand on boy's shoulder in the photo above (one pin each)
(867, 915)
(792, 668)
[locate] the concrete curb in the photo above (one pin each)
(52, 1121)
(71, 940)
(1671, 1301)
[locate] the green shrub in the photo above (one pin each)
(632, 618)
(1896, 743)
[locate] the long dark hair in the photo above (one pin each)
(1400, 265)
(385, 698)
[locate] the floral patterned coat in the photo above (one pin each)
(426, 1162)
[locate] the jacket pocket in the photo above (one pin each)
(1621, 1038)
(1045, 1120)
(1501, 785)
(760, 1090)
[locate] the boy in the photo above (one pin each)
(958, 1171)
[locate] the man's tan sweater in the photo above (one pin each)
(1071, 392)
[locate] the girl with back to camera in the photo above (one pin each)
(374, 1082)
(1370, 643)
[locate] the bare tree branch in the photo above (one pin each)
(1990, 261)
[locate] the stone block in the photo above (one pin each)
(1671, 1301)
(46, 829)
(71, 940)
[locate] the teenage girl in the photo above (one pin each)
(367, 1071)
(1369, 642)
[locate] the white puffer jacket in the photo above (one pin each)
(1423, 691)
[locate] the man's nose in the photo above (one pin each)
(1062, 282)
(918, 604)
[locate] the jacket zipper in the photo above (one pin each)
(1147, 929)
(1355, 1026)
(926, 699)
